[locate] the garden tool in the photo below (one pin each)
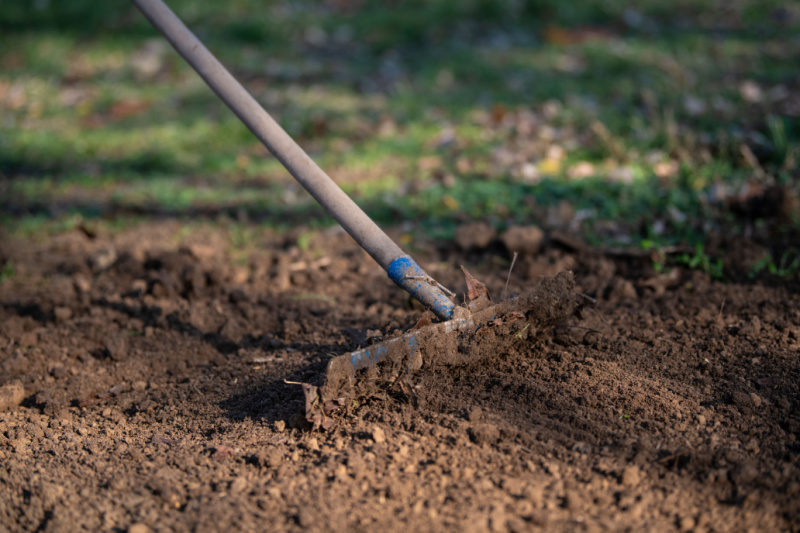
(462, 333)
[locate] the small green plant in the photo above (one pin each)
(779, 140)
(304, 240)
(658, 256)
(7, 272)
(700, 260)
(787, 267)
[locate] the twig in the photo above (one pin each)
(260, 360)
(445, 289)
(432, 281)
(503, 297)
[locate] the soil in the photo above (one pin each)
(144, 380)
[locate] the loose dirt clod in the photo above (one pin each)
(475, 235)
(523, 239)
(11, 395)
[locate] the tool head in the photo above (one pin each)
(471, 336)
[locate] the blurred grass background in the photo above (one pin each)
(641, 124)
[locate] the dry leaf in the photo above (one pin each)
(475, 288)
(315, 412)
(425, 320)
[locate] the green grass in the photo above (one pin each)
(370, 90)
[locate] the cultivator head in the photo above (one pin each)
(480, 331)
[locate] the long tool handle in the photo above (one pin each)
(402, 269)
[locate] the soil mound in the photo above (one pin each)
(145, 378)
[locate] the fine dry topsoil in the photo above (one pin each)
(143, 379)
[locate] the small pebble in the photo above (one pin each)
(239, 484)
(304, 518)
(81, 283)
(378, 435)
(756, 399)
(475, 414)
(62, 314)
(741, 399)
(630, 476)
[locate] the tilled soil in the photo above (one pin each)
(144, 385)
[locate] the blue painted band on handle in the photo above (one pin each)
(406, 273)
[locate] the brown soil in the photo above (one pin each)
(154, 374)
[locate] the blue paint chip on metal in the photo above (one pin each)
(372, 355)
(406, 273)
